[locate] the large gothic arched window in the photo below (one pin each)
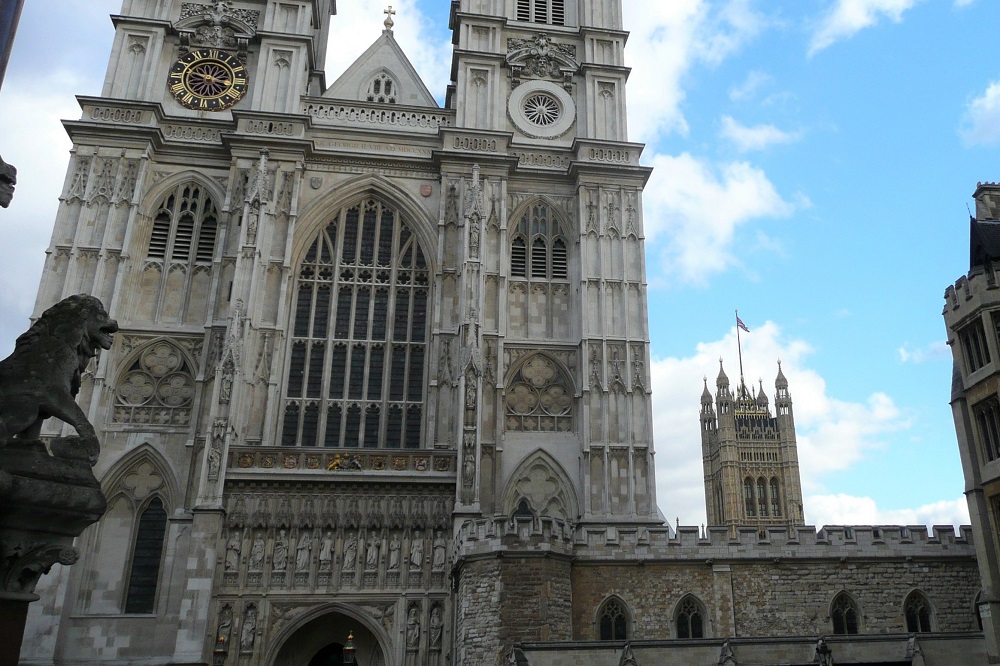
(359, 335)
(538, 249)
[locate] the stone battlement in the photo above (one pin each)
(641, 543)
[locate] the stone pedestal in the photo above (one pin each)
(46, 501)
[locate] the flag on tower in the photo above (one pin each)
(739, 322)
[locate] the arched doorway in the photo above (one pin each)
(320, 642)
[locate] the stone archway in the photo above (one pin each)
(320, 641)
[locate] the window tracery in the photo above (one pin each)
(748, 495)
(549, 257)
(185, 226)
(539, 398)
(918, 613)
(613, 621)
(157, 388)
(382, 89)
(845, 615)
(690, 620)
(359, 331)
(775, 498)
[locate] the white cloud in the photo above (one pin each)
(849, 510)
(749, 87)
(758, 137)
(667, 40)
(823, 422)
(933, 351)
(848, 17)
(699, 207)
(981, 124)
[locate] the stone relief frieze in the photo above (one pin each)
(541, 58)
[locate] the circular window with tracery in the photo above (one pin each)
(542, 109)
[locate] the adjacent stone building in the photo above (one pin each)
(382, 381)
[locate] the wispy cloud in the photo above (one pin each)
(758, 137)
(848, 17)
(981, 123)
(698, 207)
(748, 88)
(850, 510)
(667, 40)
(824, 423)
(932, 352)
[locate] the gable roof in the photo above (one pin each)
(383, 56)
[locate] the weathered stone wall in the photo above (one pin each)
(536, 600)
(479, 592)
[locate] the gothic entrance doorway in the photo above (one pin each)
(320, 642)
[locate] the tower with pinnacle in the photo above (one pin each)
(750, 456)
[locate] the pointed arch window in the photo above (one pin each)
(147, 553)
(613, 621)
(917, 610)
(762, 496)
(548, 258)
(690, 620)
(845, 615)
(748, 496)
(359, 335)
(185, 227)
(775, 497)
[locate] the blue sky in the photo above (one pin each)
(813, 164)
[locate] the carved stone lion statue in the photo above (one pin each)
(42, 377)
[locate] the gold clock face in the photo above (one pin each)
(208, 80)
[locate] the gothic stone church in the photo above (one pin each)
(382, 393)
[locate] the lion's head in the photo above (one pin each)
(80, 321)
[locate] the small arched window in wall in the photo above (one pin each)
(917, 610)
(690, 621)
(613, 621)
(762, 496)
(748, 497)
(549, 256)
(382, 89)
(147, 552)
(539, 398)
(845, 615)
(775, 497)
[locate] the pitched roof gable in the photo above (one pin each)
(384, 57)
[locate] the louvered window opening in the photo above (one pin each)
(147, 553)
(549, 257)
(551, 12)
(359, 335)
(186, 224)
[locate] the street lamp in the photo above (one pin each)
(349, 649)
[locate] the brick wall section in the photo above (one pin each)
(536, 602)
(478, 631)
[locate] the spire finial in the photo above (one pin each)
(388, 23)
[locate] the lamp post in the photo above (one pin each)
(220, 653)
(349, 650)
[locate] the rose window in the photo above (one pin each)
(542, 109)
(157, 389)
(538, 399)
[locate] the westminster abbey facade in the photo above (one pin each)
(381, 390)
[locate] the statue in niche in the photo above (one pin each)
(413, 628)
(302, 551)
(214, 460)
(225, 625)
(249, 632)
(394, 547)
(417, 552)
(440, 552)
(226, 386)
(257, 553)
(233, 549)
(371, 555)
(326, 552)
(474, 238)
(350, 552)
(280, 558)
(437, 627)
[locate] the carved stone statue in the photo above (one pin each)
(416, 552)
(371, 556)
(233, 549)
(326, 552)
(257, 553)
(42, 377)
(351, 552)
(249, 631)
(280, 559)
(225, 624)
(413, 628)
(394, 547)
(437, 627)
(302, 552)
(440, 552)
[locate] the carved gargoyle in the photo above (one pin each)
(42, 377)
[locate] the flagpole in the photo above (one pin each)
(739, 345)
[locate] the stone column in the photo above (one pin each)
(46, 501)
